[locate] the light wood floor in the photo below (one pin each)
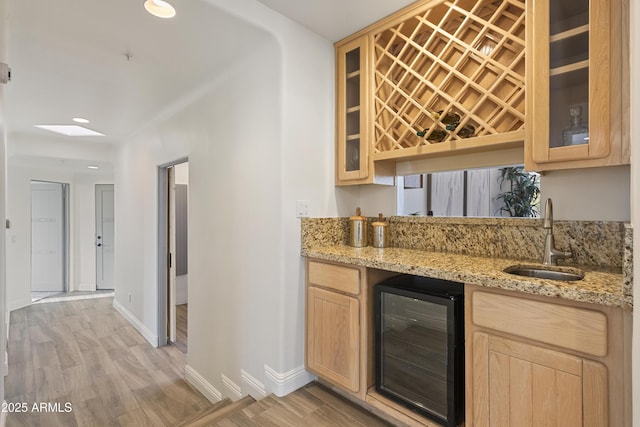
(181, 327)
(85, 354)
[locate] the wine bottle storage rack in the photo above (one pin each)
(461, 57)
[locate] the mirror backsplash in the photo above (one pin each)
(508, 191)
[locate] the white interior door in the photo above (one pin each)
(104, 236)
(47, 237)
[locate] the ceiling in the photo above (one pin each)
(335, 19)
(116, 65)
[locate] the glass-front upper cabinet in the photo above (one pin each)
(354, 163)
(352, 114)
(573, 84)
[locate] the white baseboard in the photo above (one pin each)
(255, 387)
(233, 389)
(136, 323)
(203, 386)
(282, 384)
(3, 416)
(18, 304)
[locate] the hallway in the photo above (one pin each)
(85, 357)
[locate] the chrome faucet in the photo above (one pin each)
(551, 254)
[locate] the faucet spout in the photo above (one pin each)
(551, 254)
(547, 222)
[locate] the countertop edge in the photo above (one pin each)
(597, 287)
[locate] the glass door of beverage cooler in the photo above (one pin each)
(419, 347)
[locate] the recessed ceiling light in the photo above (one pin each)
(70, 130)
(92, 167)
(80, 120)
(160, 8)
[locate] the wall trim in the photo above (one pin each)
(18, 304)
(202, 385)
(256, 388)
(233, 389)
(136, 323)
(282, 384)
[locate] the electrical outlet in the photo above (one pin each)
(302, 208)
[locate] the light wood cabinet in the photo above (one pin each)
(433, 79)
(535, 361)
(333, 345)
(449, 77)
(517, 384)
(354, 161)
(333, 323)
(576, 115)
(339, 324)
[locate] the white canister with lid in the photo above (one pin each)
(380, 232)
(358, 230)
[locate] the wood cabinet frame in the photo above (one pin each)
(608, 89)
(604, 380)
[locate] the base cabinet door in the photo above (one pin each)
(333, 337)
(519, 384)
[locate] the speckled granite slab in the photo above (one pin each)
(593, 243)
(475, 250)
(627, 265)
(598, 287)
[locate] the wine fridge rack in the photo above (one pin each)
(450, 74)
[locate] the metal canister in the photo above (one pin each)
(380, 232)
(358, 230)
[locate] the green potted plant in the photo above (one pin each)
(523, 197)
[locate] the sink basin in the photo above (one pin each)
(541, 272)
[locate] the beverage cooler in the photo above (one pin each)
(419, 344)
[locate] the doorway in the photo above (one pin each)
(173, 205)
(49, 239)
(104, 236)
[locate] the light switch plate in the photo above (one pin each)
(302, 208)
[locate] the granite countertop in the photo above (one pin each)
(597, 286)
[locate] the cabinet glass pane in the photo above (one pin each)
(353, 91)
(353, 122)
(352, 155)
(568, 14)
(569, 73)
(414, 348)
(353, 60)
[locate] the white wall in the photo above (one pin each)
(247, 139)
(182, 281)
(589, 194)
(82, 263)
(19, 236)
(3, 188)
(181, 173)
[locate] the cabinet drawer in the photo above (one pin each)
(569, 327)
(332, 276)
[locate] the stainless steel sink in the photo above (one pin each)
(541, 272)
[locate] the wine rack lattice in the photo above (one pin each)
(459, 60)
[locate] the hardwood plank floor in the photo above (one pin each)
(84, 353)
(94, 369)
(181, 327)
